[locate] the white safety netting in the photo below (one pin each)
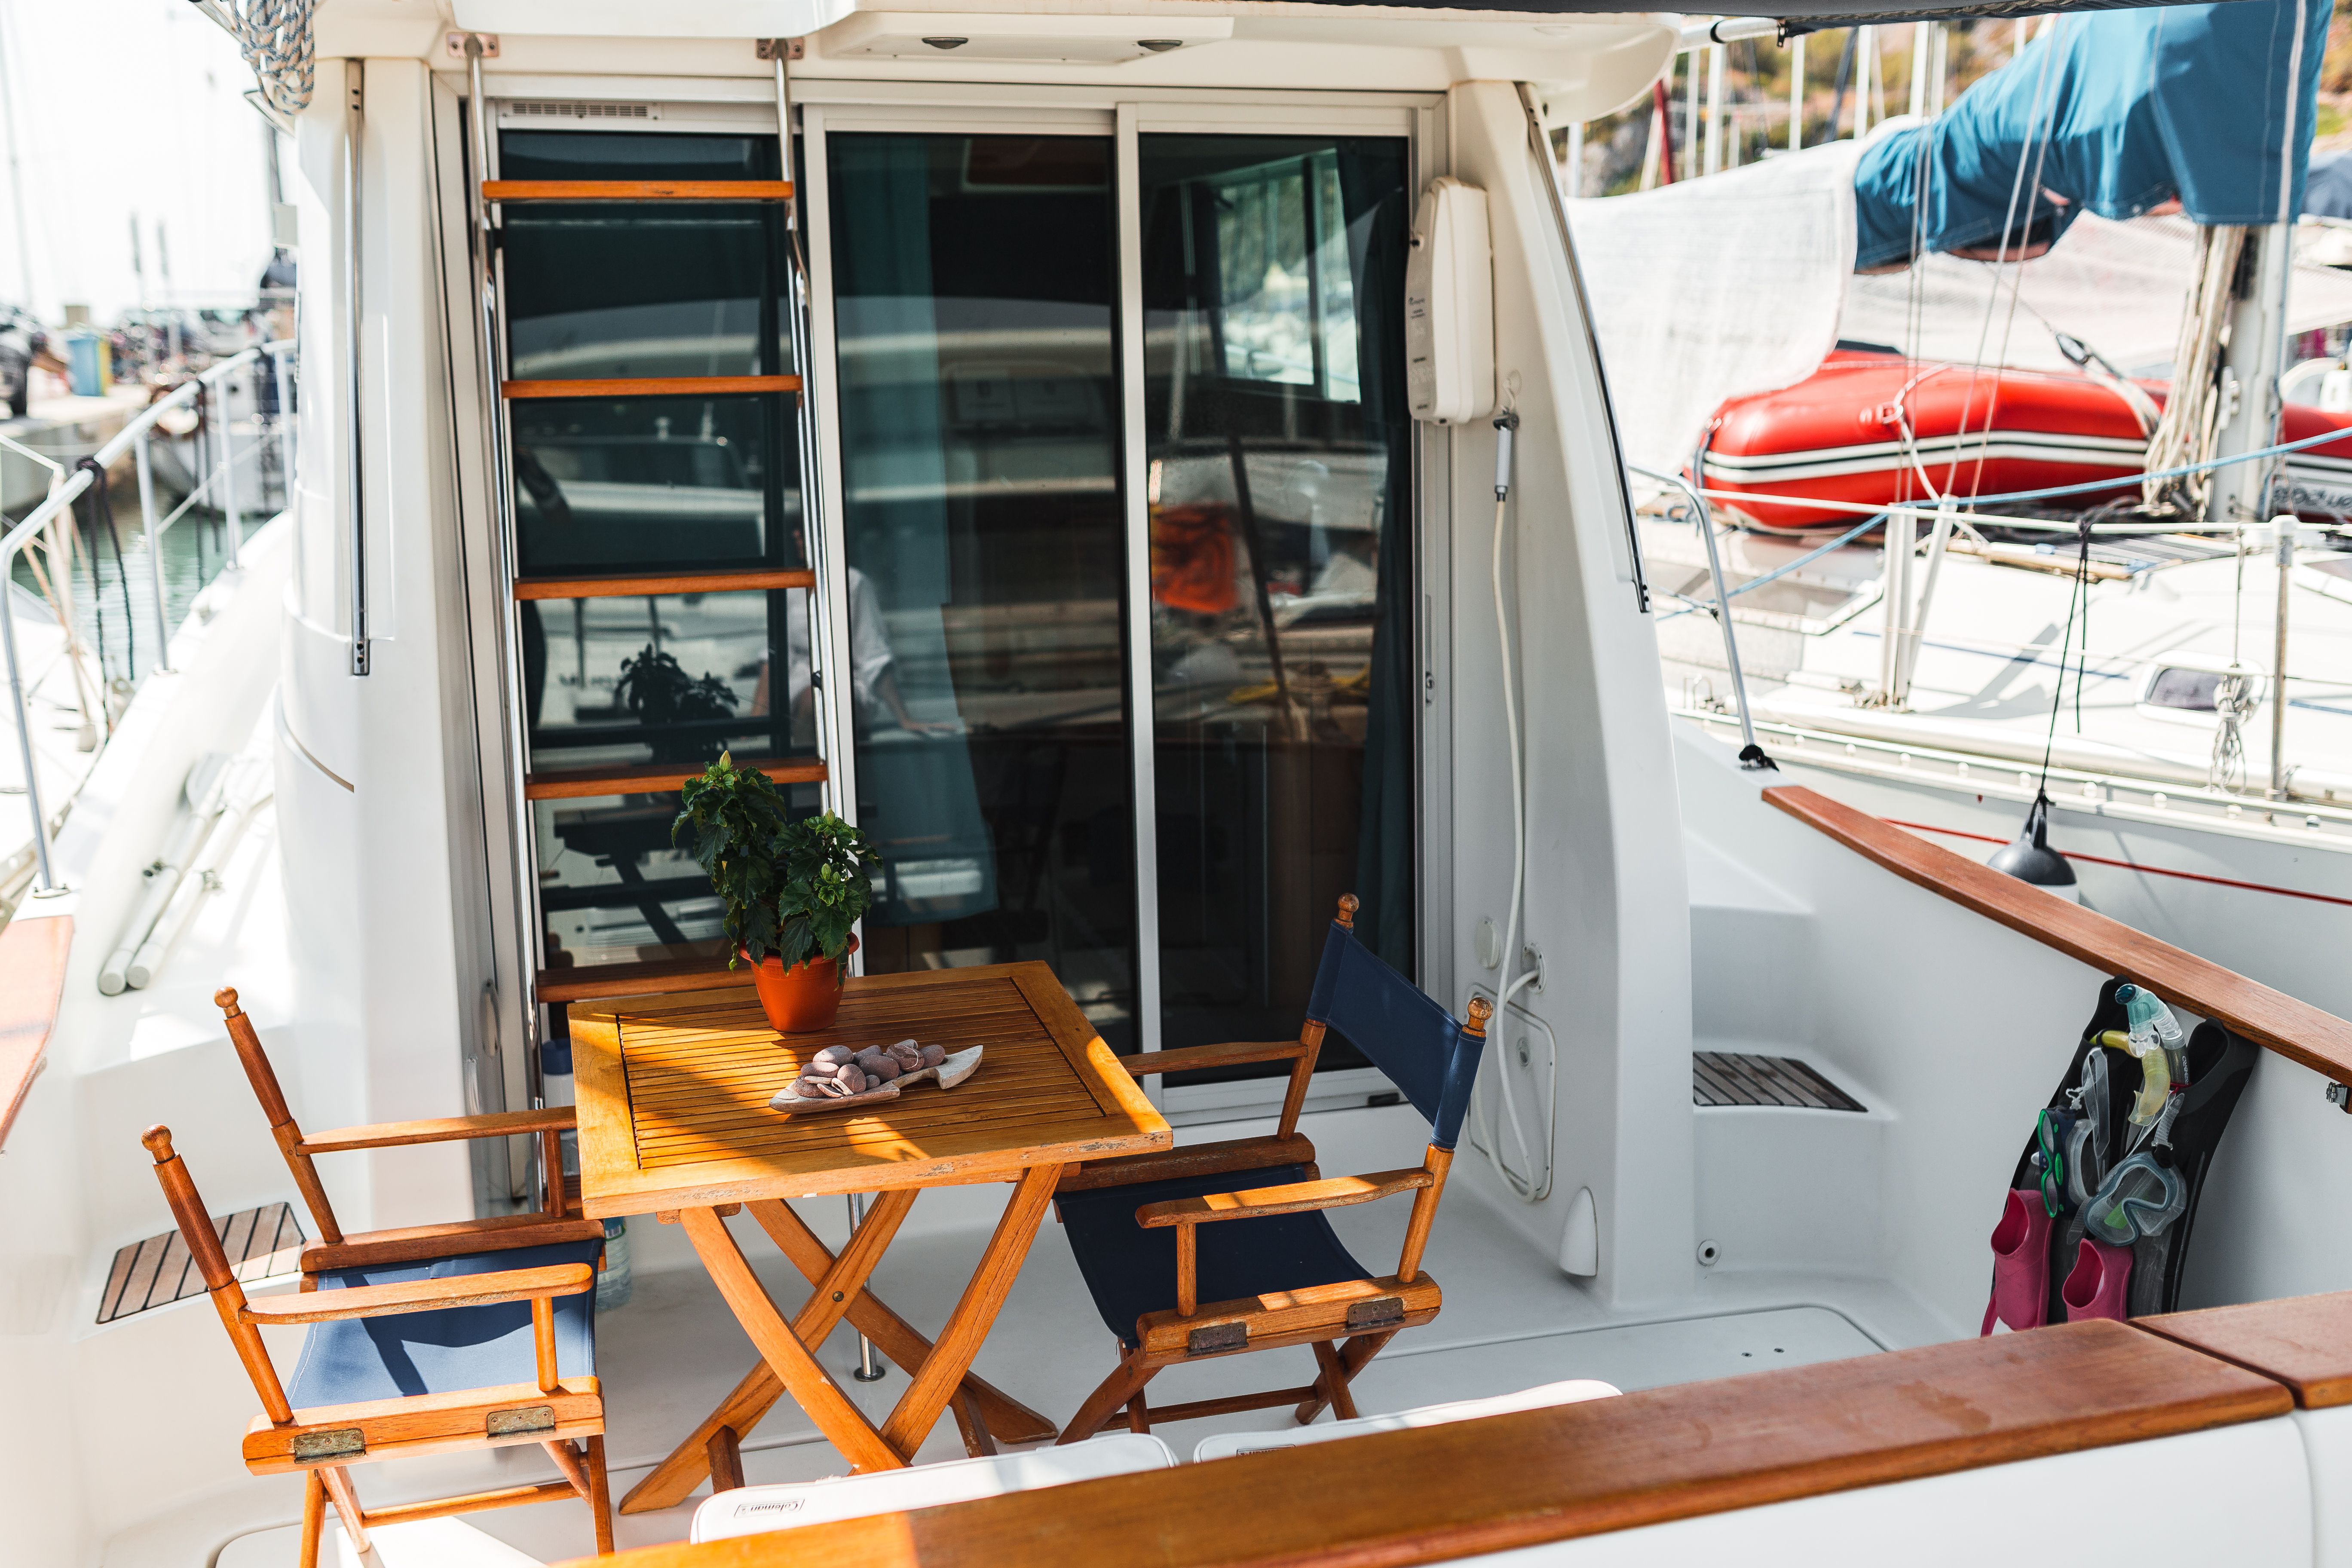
(1740, 283)
(2118, 287)
(1712, 289)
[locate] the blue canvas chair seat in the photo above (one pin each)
(359, 1359)
(1131, 1271)
(1161, 1238)
(400, 1359)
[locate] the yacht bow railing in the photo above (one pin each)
(135, 437)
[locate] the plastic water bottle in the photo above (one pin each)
(555, 1087)
(613, 1284)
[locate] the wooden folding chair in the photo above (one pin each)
(478, 1358)
(554, 1224)
(1156, 1234)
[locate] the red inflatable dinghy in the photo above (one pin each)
(1870, 429)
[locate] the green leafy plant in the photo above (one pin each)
(658, 692)
(792, 889)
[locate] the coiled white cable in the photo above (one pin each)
(1528, 1187)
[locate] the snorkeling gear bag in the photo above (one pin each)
(2098, 1218)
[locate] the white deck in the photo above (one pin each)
(1510, 1322)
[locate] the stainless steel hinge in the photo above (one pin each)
(334, 1445)
(518, 1423)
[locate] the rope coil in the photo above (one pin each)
(275, 37)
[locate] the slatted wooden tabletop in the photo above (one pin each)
(673, 1092)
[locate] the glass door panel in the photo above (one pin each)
(973, 285)
(1279, 494)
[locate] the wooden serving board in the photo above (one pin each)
(959, 1066)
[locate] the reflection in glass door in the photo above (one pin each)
(1278, 489)
(980, 418)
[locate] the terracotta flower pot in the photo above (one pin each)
(803, 999)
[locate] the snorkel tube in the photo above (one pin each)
(2152, 1034)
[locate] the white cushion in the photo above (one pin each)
(1226, 1445)
(754, 1510)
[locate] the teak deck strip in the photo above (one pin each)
(2302, 1341)
(652, 387)
(673, 1092)
(748, 580)
(2277, 1022)
(654, 778)
(33, 953)
(637, 190)
(1440, 1493)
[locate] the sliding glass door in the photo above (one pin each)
(1001, 523)
(974, 280)
(1279, 486)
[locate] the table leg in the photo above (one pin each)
(838, 1284)
(808, 1383)
(911, 1419)
(1009, 1420)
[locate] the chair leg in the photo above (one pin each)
(1139, 1415)
(1334, 1381)
(600, 1496)
(726, 1451)
(1124, 1383)
(347, 1504)
(1352, 1357)
(971, 1426)
(314, 1520)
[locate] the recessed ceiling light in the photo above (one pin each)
(1160, 46)
(947, 43)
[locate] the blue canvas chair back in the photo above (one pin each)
(1425, 1050)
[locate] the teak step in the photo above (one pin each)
(637, 190)
(651, 387)
(671, 583)
(600, 980)
(656, 778)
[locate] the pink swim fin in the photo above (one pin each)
(2020, 1263)
(2096, 1287)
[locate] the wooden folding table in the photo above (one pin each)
(674, 1120)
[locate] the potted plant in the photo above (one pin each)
(792, 889)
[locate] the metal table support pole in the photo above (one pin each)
(154, 553)
(869, 1366)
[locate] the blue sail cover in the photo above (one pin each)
(2137, 106)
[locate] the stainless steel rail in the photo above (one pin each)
(132, 437)
(1752, 755)
(354, 79)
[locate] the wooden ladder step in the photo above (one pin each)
(637, 190)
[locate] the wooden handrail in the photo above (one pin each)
(744, 581)
(2272, 1019)
(637, 190)
(33, 953)
(651, 387)
(1436, 1494)
(655, 778)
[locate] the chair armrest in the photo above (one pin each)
(1193, 1058)
(1338, 1192)
(421, 1295)
(495, 1233)
(441, 1130)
